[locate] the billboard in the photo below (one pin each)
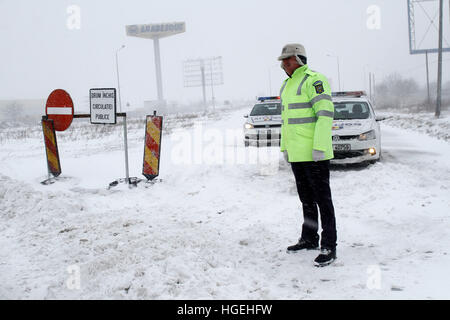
(423, 31)
(198, 72)
(155, 31)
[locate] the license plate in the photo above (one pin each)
(341, 147)
(266, 133)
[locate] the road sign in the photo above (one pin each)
(59, 108)
(103, 106)
(158, 30)
(152, 149)
(51, 147)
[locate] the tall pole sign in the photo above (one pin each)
(156, 32)
(429, 46)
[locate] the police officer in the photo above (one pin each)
(307, 115)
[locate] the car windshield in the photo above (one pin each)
(266, 109)
(351, 110)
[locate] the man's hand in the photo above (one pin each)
(318, 155)
(285, 155)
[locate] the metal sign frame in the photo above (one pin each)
(202, 72)
(412, 31)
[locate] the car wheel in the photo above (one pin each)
(246, 143)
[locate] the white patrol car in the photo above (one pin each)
(356, 131)
(263, 125)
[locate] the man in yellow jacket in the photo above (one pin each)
(307, 119)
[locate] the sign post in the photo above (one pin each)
(59, 116)
(125, 141)
(104, 111)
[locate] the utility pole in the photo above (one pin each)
(428, 81)
(338, 71)
(270, 83)
(374, 91)
(439, 80)
(212, 85)
(202, 69)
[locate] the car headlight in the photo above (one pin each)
(248, 126)
(370, 135)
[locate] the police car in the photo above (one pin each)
(356, 130)
(263, 125)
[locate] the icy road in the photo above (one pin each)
(218, 224)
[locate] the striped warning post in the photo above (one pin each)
(152, 150)
(51, 147)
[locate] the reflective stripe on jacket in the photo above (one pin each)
(307, 115)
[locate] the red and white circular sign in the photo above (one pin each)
(59, 108)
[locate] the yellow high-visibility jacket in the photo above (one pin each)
(307, 115)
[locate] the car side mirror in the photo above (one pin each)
(380, 118)
(246, 116)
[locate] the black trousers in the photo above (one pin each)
(313, 186)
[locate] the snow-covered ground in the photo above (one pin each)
(423, 122)
(218, 224)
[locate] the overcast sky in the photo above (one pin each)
(40, 53)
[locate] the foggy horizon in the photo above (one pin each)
(40, 52)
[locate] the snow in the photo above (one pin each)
(424, 122)
(218, 223)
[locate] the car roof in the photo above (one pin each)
(268, 101)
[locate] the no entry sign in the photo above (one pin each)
(59, 108)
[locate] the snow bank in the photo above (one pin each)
(219, 231)
(423, 122)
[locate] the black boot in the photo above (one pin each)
(325, 257)
(301, 245)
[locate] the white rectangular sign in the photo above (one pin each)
(103, 106)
